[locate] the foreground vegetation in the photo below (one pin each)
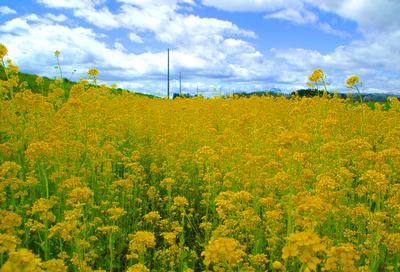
(94, 180)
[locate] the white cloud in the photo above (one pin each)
(369, 58)
(6, 10)
(327, 28)
(294, 15)
(32, 45)
(148, 3)
(119, 46)
(161, 17)
(17, 26)
(56, 18)
(382, 14)
(72, 4)
(101, 18)
(370, 54)
(244, 5)
(31, 41)
(135, 38)
(293, 11)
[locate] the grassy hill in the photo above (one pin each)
(46, 83)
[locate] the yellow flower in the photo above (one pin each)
(222, 250)
(352, 81)
(116, 213)
(3, 51)
(141, 241)
(8, 243)
(39, 80)
(180, 202)
(305, 246)
(342, 258)
(259, 259)
(11, 67)
(54, 265)
(317, 76)
(138, 268)
(93, 72)
(169, 237)
(22, 260)
(167, 183)
(9, 221)
(277, 265)
(79, 195)
(123, 184)
(152, 217)
(106, 229)
(377, 182)
(42, 205)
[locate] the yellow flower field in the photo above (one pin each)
(96, 181)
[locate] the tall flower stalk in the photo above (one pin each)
(57, 55)
(92, 74)
(353, 82)
(317, 78)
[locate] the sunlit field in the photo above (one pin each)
(94, 180)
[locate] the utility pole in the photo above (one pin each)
(168, 76)
(197, 89)
(180, 83)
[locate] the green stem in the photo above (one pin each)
(326, 90)
(46, 239)
(359, 94)
(59, 67)
(46, 182)
(111, 249)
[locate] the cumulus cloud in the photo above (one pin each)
(189, 34)
(297, 12)
(160, 17)
(148, 3)
(33, 39)
(376, 14)
(31, 45)
(101, 18)
(6, 10)
(244, 5)
(135, 38)
(294, 15)
(369, 58)
(71, 4)
(381, 14)
(56, 18)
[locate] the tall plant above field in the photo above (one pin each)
(317, 79)
(354, 82)
(57, 54)
(92, 74)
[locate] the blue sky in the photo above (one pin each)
(227, 44)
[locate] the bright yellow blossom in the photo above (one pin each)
(3, 51)
(223, 250)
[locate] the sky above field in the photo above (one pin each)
(227, 44)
